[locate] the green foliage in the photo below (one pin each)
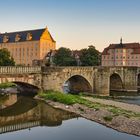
(68, 99)
(5, 58)
(59, 97)
(6, 85)
(90, 56)
(63, 57)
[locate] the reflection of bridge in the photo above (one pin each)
(40, 115)
(97, 80)
(20, 126)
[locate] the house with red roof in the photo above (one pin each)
(123, 54)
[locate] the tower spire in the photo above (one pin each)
(121, 40)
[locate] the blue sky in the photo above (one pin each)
(75, 23)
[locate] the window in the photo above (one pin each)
(5, 39)
(29, 36)
(17, 38)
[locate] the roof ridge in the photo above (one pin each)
(22, 31)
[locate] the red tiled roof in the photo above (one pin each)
(134, 46)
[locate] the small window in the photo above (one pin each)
(5, 39)
(17, 38)
(29, 36)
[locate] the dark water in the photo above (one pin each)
(130, 99)
(39, 121)
(127, 97)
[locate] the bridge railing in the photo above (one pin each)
(19, 70)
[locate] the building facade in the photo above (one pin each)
(28, 46)
(127, 54)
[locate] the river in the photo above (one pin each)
(131, 98)
(35, 120)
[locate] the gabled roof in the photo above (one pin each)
(36, 34)
(134, 46)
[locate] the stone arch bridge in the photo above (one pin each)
(98, 80)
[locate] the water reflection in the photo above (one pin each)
(27, 113)
(35, 120)
(7, 100)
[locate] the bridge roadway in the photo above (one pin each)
(97, 80)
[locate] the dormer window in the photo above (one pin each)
(5, 39)
(29, 36)
(17, 38)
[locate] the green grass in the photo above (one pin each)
(6, 85)
(118, 111)
(70, 99)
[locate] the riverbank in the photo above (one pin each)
(110, 115)
(6, 88)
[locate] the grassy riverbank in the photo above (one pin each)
(69, 99)
(7, 85)
(118, 118)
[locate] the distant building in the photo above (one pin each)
(127, 54)
(28, 47)
(76, 54)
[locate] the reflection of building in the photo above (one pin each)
(27, 47)
(121, 55)
(35, 113)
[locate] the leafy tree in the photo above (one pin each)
(5, 58)
(63, 57)
(90, 56)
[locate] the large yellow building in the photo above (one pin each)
(28, 46)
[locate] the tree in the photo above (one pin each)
(5, 58)
(90, 56)
(63, 57)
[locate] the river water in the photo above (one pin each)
(28, 119)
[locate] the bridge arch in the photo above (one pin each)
(116, 83)
(76, 84)
(26, 88)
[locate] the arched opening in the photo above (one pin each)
(138, 82)
(77, 84)
(116, 83)
(26, 89)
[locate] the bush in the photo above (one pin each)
(7, 85)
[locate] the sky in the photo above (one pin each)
(75, 24)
